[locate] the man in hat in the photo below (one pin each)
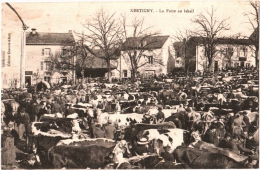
(42, 109)
(23, 119)
(160, 116)
(56, 108)
(110, 130)
(108, 106)
(246, 123)
(98, 132)
(13, 132)
(142, 147)
(100, 105)
(69, 110)
(168, 101)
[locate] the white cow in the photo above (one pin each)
(173, 138)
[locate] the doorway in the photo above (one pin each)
(63, 80)
(242, 64)
(28, 80)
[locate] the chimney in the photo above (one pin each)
(70, 31)
(33, 31)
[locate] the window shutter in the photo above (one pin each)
(41, 65)
(43, 51)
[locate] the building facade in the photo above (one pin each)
(230, 53)
(156, 57)
(39, 48)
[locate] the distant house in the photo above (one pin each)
(230, 53)
(157, 57)
(39, 48)
(97, 66)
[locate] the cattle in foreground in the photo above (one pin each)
(79, 157)
(200, 159)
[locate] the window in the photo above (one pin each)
(150, 59)
(243, 52)
(3, 59)
(64, 52)
(124, 73)
(247, 65)
(41, 65)
(47, 65)
(46, 51)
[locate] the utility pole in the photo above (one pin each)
(23, 43)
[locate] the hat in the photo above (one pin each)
(142, 141)
(22, 110)
(188, 109)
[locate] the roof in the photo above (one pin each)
(115, 52)
(255, 35)
(199, 40)
(42, 38)
(98, 63)
(149, 42)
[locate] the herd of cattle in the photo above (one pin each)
(65, 142)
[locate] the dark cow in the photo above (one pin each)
(148, 162)
(200, 159)
(43, 144)
(69, 156)
(98, 141)
(171, 165)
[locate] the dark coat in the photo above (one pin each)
(110, 131)
(99, 133)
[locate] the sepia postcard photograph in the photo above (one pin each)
(130, 85)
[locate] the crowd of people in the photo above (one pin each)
(215, 108)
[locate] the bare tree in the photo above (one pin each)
(71, 58)
(209, 30)
(253, 20)
(183, 50)
(102, 37)
(137, 40)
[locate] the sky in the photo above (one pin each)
(65, 16)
